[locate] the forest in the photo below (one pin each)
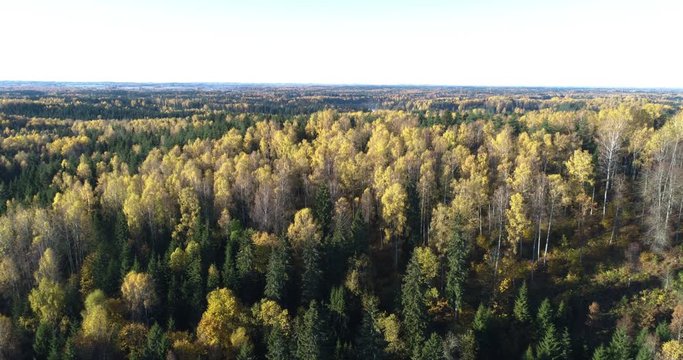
(340, 222)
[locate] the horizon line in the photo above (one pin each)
(75, 83)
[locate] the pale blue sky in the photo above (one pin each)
(459, 42)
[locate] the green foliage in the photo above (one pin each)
(312, 274)
(521, 309)
(550, 347)
(323, 208)
(157, 344)
(456, 258)
(601, 353)
(277, 346)
(310, 335)
(432, 349)
(620, 346)
(545, 317)
(413, 305)
(370, 343)
(277, 274)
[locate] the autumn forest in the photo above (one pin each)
(204, 221)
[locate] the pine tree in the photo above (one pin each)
(620, 346)
(550, 346)
(312, 275)
(456, 258)
(521, 309)
(277, 346)
(413, 305)
(278, 273)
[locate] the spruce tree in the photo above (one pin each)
(157, 344)
(230, 278)
(456, 259)
(322, 210)
(337, 307)
(312, 275)
(550, 346)
(42, 340)
(620, 346)
(310, 337)
(277, 347)
(566, 344)
(414, 310)
(432, 349)
(370, 341)
(521, 309)
(246, 351)
(601, 353)
(544, 317)
(277, 274)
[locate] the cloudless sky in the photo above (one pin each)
(612, 43)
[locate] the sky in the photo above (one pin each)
(582, 43)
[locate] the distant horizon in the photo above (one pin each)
(58, 83)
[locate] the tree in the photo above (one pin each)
(432, 350)
(48, 267)
(676, 325)
(304, 229)
(545, 317)
(213, 278)
(550, 346)
(413, 305)
(277, 274)
(620, 345)
(611, 134)
(521, 309)
(312, 274)
(518, 224)
(323, 208)
(310, 335)
(394, 202)
(369, 340)
(601, 353)
(98, 324)
(47, 301)
(246, 351)
(43, 338)
(8, 338)
(138, 291)
(132, 340)
(672, 350)
(456, 273)
(157, 345)
(220, 319)
(277, 346)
